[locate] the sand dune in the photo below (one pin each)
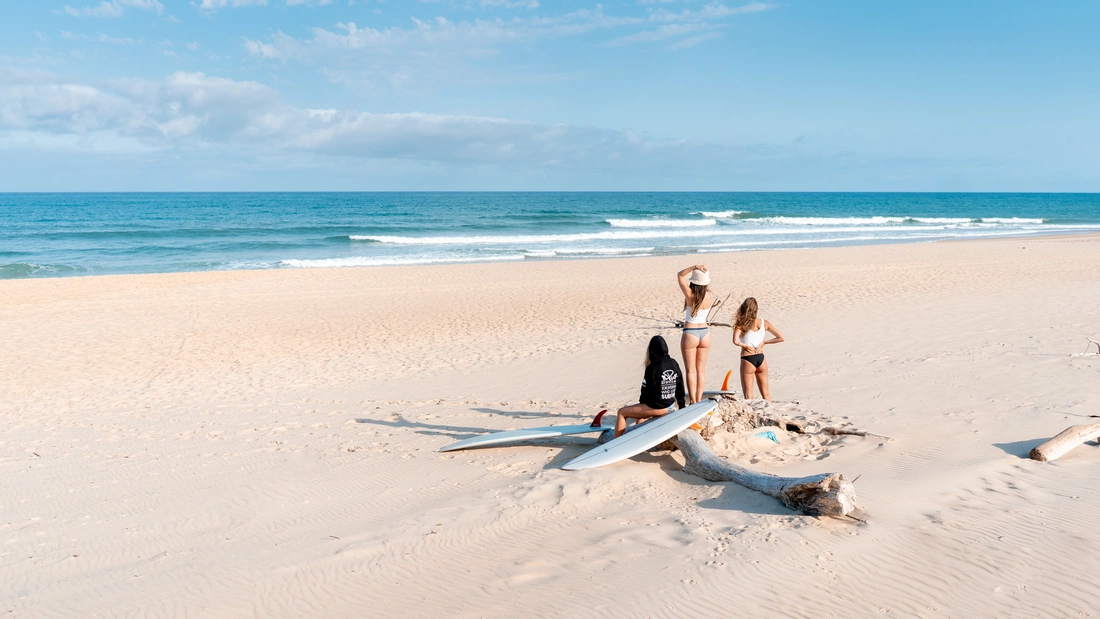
(264, 443)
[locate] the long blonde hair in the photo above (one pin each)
(746, 315)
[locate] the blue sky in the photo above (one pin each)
(539, 95)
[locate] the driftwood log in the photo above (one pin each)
(1065, 441)
(828, 494)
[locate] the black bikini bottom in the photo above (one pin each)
(755, 360)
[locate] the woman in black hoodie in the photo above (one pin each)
(662, 385)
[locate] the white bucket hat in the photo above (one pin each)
(699, 278)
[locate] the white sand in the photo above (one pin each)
(263, 443)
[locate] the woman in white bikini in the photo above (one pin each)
(695, 341)
(749, 331)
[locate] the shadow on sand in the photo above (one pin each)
(1021, 449)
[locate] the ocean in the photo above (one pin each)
(66, 234)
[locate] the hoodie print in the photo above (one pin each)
(669, 380)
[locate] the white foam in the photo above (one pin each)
(751, 228)
(600, 251)
(364, 261)
(863, 221)
(592, 251)
(719, 214)
(661, 223)
(618, 235)
(1010, 220)
(883, 220)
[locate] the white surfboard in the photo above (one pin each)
(527, 434)
(645, 436)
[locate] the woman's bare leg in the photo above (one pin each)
(688, 345)
(748, 371)
(701, 353)
(762, 380)
(635, 411)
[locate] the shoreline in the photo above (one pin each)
(555, 259)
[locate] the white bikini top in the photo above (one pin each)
(698, 319)
(754, 338)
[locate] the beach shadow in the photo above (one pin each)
(518, 414)
(740, 498)
(432, 429)
(1021, 449)
(568, 451)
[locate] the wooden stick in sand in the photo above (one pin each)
(1091, 342)
(1065, 441)
(827, 494)
(842, 432)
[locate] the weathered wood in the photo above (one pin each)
(828, 494)
(1065, 441)
(843, 432)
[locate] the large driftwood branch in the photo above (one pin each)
(1065, 441)
(828, 494)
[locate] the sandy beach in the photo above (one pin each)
(264, 443)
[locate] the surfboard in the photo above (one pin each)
(707, 394)
(527, 434)
(645, 436)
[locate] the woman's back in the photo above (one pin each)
(756, 336)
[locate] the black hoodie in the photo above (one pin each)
(663, 382)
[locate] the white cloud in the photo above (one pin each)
(189, 111)
(510, 4)
(210, 5)
(114, 8)
(693, 41)
(101, 38)
(662, 33)
(478, 37)
(221, 4)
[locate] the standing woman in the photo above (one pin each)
(695, 342)
(749, 331)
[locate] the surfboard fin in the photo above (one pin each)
(726, 383)
(597, 422)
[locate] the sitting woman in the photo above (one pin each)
(662, 385)
(749, 331)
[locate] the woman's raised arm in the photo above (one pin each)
(683, 275)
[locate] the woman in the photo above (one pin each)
(695, 341)
(749, 331)
(661, 386)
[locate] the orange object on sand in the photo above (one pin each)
(726, 383)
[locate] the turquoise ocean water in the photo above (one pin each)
(50, 235)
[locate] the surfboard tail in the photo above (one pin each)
(726, 382)
(598, 421)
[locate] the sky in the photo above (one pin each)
(693, 95)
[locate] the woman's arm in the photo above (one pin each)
(683, 275)
(738, 343)
(775, 340)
